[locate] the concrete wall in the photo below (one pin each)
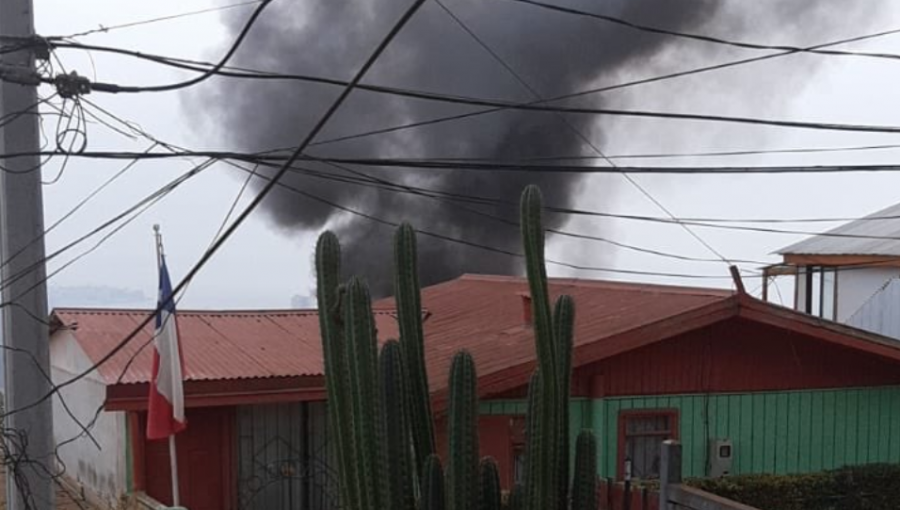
(102, 470)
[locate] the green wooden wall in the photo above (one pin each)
(778, 432)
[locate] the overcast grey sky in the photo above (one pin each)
(262, 266)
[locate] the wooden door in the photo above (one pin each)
(206, 469)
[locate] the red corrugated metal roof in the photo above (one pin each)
(216, 345)
(483, 314)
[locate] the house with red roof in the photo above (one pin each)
(746, 386)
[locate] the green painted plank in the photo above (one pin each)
(816, 432)
(884, 425)
(702, 432)
(803, 432)
(841, 421)
(792, 452)
(685, 407)
(757, 444)
(828, 422)
(721, 414)
(851, 446)
(781, 433)
(894, 435)
(770, 434)
(875, 429)
(744, 449)
(864, 425)
(734, 426)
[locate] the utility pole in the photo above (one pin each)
(25, 329)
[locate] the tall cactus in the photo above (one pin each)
(462, 471)
(362, 355)
(409, 313)
(543, 492)
(394, 399)
(563, 326)
(584, 482)
(328, 264)
(489, 485)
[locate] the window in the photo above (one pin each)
(820, 284)
(641, 434)
(518, 464)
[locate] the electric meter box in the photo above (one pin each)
(721, 456)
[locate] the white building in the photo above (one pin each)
(843, 274)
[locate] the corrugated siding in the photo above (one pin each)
(283, 457)
(780, 432)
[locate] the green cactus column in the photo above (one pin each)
(328, 262)
(433, 485)
(409, 314)
(584, 482)
(362, 356)
(543, 492)
(462, 471)
(394, 399)
(489, 487)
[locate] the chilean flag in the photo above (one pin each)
(165, 416)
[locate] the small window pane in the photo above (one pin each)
(829, 277)
(647, 424)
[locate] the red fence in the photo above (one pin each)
(623, 496)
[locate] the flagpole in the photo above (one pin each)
(173, 454)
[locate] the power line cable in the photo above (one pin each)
(106, 29)
(498, 105)
(701, 37)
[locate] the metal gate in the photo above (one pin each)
(283, 458)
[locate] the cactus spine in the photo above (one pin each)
(400, 495)
(489, 489)
(462, 471)
(584, 483)
(409, 313)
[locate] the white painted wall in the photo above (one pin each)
(881, 313)
(856, 286)
(103, 471)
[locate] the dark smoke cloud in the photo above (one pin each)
(556, 53)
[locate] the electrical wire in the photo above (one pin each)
(107, 29)
(481, 165)
(498, 105)
(701, 37)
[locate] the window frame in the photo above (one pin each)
(672, 414)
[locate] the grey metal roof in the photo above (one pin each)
(851, 238)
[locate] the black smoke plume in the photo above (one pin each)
(555, 53)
